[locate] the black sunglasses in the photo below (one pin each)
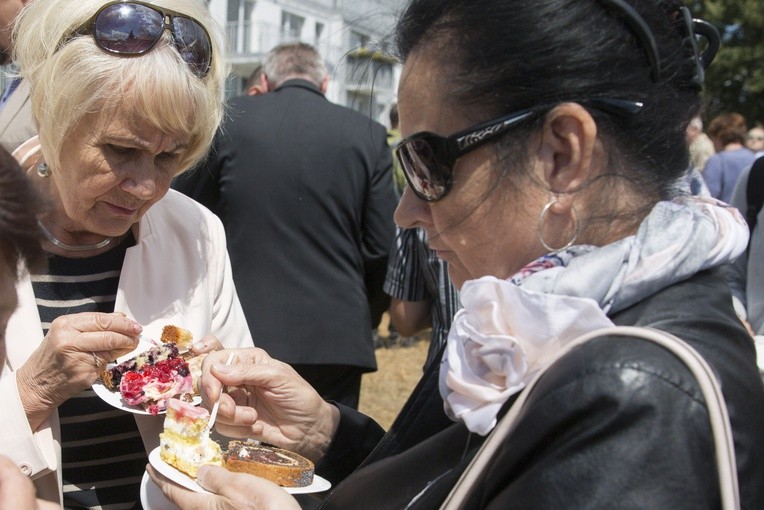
(428, 159)
(134, 28)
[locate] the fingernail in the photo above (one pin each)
(137, 327)
(198, 346)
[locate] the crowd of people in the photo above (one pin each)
(541, 195)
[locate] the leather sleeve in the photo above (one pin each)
(355, 439)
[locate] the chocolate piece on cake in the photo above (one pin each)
(179, 336)
(185, 443)
(282, 467)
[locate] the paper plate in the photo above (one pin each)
(319, 484)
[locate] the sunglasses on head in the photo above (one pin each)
(134, 28)
(428, 159)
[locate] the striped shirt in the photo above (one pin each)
(103, 457)
(415, 273)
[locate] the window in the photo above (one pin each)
(358, 40)
(319, 32)
(291, 25)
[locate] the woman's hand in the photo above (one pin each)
(207, 344)
(234, 491)
(17, 490)
(70, 359)
(267, 400)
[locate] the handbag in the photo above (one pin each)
(717, 409)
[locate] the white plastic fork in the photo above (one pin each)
(214, 413)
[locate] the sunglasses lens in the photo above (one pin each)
(193, 43)
(128, 28)
(427, 177)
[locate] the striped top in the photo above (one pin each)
(415, 273)
(103, 457)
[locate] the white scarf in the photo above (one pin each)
(508, 330)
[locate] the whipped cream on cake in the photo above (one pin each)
(185, 442)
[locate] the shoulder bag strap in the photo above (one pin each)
(717, 409)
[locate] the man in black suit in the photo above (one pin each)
(304, 189)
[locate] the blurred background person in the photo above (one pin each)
(16, 123)
(303, 188)
(700, 145)
(126, 255)
(422, 295)
(754, 140)
(727, 131)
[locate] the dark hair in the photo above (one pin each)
(394, 115)
(728, 128)
(530, 53)
(19, 234)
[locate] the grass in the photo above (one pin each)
(384, 392)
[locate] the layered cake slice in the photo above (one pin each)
(185, 443)
(282, 467)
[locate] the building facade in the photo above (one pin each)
(354, 36)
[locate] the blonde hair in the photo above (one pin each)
(71, 77)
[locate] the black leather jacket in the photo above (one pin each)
(617, 423)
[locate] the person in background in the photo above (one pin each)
(255, 85)
(727, 131)
(303, 188)
(393, 138)
(20, 239)
(754, 140)
(512, 175)
(16, 123)
(422, 295)
(700, 145)
(126, 255)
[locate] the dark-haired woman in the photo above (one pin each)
(543, 146)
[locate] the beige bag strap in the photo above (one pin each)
(717, 409)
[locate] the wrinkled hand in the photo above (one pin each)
(267, 400)
(70, 359)
(207, 344)
(232, 491)
(17, 490)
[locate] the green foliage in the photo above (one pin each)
(735, 79)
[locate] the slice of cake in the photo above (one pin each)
(179, 336)
(282, 467)
(112, 376)
(185, 443)
(153, 385)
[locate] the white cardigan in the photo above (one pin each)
(177, 273)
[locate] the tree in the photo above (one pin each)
(735, 79)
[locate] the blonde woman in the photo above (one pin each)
(125, 95)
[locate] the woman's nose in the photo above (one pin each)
(411, 211)
(141, 184)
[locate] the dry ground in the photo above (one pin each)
(398, 370)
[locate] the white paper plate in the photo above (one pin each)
(319, 484)
(152, 497)
(114, 398)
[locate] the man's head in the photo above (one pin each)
(755, 139)
(294, 61)
(8, 11)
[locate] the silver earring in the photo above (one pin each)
(43, 170)
(540, 224)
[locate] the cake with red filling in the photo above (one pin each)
(185, 442)
(280, 466)
(152, 377)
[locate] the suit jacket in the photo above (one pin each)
(177, 273)
(616, 423)
(304, 189)
(16, 122)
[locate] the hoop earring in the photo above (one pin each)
(43, 170)
(540, 224)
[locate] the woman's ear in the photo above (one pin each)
(567, 147)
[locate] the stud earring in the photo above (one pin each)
(43, 170)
